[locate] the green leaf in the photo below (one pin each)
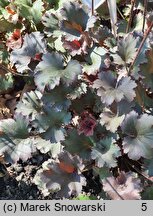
(139, 135)
(146, 69)
(94, 60)
(15, 143)
(105, 153)
(148, 167)
(30, 10)
(75, 20)
(110, 120)
(45, 146)
(102, 172)
(110, 90)
(85, 197)
(87, 100)
(62, 101)
(51, 70)
(30, 104)
(4, 3)
(6, 82)
(126, 50)
(51, 123)
(78, 144)
(51, 23)
(147, 194)
(78, 91)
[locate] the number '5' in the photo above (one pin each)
(144, 206)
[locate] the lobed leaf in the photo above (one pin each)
(15, 143)
(33, 44)
(48, 179)
(105, 153)
(110, 90)
(51, 70)
(138, 141)
(125, 187)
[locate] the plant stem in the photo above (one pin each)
(131, 15)
(141, 45)
(114, 189)
(144, 14)
(92, 6)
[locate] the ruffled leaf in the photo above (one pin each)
(105, 153)
(76, 20)
(15, 143)
(126, 50)
(51, 70)
(138, 141)
(61, 175)
(110, 90)
(33, 44)
(110, 120)
(30, 104)
(125, 187)
(78, 144)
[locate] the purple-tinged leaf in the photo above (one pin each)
(138, 141)
(61, 176)
(125, 187)
(110, 90)
(51, 70)
(105, 153)
(15, 143)
(110, 120)
(33, 45)
(76, 20)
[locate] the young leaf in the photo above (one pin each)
(138, 141)
(61, 175)
(87, 124)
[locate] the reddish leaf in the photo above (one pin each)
(87, 123)
(15, 40)
(66, 167)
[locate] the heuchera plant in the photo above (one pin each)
(87, 97)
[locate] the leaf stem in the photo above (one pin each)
(114, 189)
(131, 15)
(140, 47)
(144, 14)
